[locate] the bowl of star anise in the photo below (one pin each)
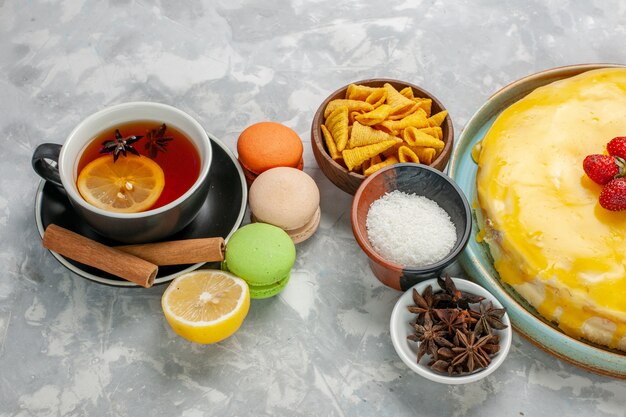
(450, 330)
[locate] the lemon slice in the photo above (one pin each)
(128, 185)
(206, 306)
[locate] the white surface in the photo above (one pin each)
(71, 347)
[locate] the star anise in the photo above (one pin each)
(488, 318)
(445, 353)
(492, 346)
(451, 319)
(156, 141)
(467, 317)
(455, 296)
(443, 366)
(455, 337)
(431, 337)
(120, 145)
(470, 352)
(424, 304)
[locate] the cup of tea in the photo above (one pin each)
(135, 172)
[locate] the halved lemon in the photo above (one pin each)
(206, 306)
(129, 185)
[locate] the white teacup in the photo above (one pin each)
(145, 226)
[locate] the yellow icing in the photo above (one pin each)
(476, 151)
(543, 210)
(480, 236)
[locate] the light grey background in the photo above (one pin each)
(72, 347)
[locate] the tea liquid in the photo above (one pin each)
(180, 162)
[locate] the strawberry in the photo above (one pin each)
(617, 147)
(603, 168)
(613, 195)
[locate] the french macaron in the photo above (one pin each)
(287, 198)
(262, 255)
(268, 145)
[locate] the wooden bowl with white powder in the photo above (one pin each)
(411, 221)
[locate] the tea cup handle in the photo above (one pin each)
(45, 162)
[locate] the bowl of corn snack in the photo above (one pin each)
(371, 124)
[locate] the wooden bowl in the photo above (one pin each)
(350, 181)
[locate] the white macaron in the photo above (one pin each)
(287, 198)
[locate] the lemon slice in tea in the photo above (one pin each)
(128, 185)
(206, 306)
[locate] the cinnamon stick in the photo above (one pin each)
(97, 255)
(179, 252)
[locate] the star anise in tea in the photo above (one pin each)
(458, 338)
(156, 141)
(120, 145)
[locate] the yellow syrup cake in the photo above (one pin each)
(549, 237)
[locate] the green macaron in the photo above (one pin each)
(262, 255)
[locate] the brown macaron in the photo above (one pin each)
(287, 198)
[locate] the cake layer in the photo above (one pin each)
(549, 236)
